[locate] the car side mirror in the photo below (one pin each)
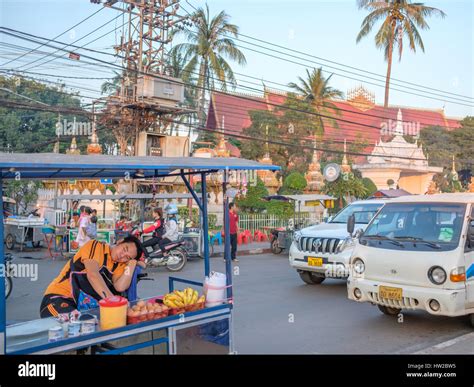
(351, 224)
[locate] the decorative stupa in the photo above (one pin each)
(73, 149)
(314, 177)
(94, 148)
(400, 161)
(268, 177)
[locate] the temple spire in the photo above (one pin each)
(267, 150)
(399, 127)
(345, 164)
(314, 176)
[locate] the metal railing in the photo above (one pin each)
(254, 222)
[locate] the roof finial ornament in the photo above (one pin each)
(345, 164)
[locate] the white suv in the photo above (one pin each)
(324, 250)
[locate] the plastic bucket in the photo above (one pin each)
(215, 288)
(113, 312)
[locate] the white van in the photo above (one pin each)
(417, 253)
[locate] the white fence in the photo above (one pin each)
(254, 222)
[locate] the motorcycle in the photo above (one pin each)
(275, 245)
(173, 257)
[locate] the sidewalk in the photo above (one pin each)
(246, 249)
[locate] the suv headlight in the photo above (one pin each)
(437, 275)
(344, 244)
(297, 236)
(358, 265)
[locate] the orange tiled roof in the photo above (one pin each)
(232, 112)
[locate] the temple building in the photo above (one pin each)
(360, 117)
(400, 161)
(389, 155)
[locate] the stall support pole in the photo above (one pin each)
(191, 190)
(228, 261)
(3, 312)
(205, 224)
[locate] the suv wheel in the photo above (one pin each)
(311, 278)
(388, 310)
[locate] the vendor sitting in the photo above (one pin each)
(96, 271)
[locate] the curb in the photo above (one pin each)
(245, 252)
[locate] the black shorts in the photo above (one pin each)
(54, 304)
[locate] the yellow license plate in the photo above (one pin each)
(390, 293)
(313, 261)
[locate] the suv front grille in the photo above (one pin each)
(319, 245)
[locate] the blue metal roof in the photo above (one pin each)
(62, 166)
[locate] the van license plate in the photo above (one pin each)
(390, 293)
(313, 261)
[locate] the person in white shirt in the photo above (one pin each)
(171, 233)
(84, 220)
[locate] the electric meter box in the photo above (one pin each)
(168, 90)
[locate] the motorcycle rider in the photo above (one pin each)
(171, 233)
(158, 228)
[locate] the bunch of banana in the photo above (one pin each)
(172, 300)
(180, 299)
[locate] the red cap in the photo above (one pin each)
(113, 301)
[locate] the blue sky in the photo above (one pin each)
(326, 29)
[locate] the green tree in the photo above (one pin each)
(289, 124)
(208, 48)
(345, 186)
(32, 130)
(253, 202)
(316, 91)
(448, 182)
(400, 18)
(293, 184)
(281, 209)
(24, 192)
(112, 86)
(439, 146)
(370, 187)
(463, 138)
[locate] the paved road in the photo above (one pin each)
(277, 313)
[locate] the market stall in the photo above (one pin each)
(19, 230)
(192, 237)
(185, 324)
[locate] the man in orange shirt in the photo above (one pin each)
(96, 271)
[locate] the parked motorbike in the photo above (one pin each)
(173, 257)
(274, 243)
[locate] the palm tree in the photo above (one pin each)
(399, 18)
(209, 46)
(316, 91)
(113, 86)
(175, 64)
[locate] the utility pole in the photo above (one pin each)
(147, 90)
